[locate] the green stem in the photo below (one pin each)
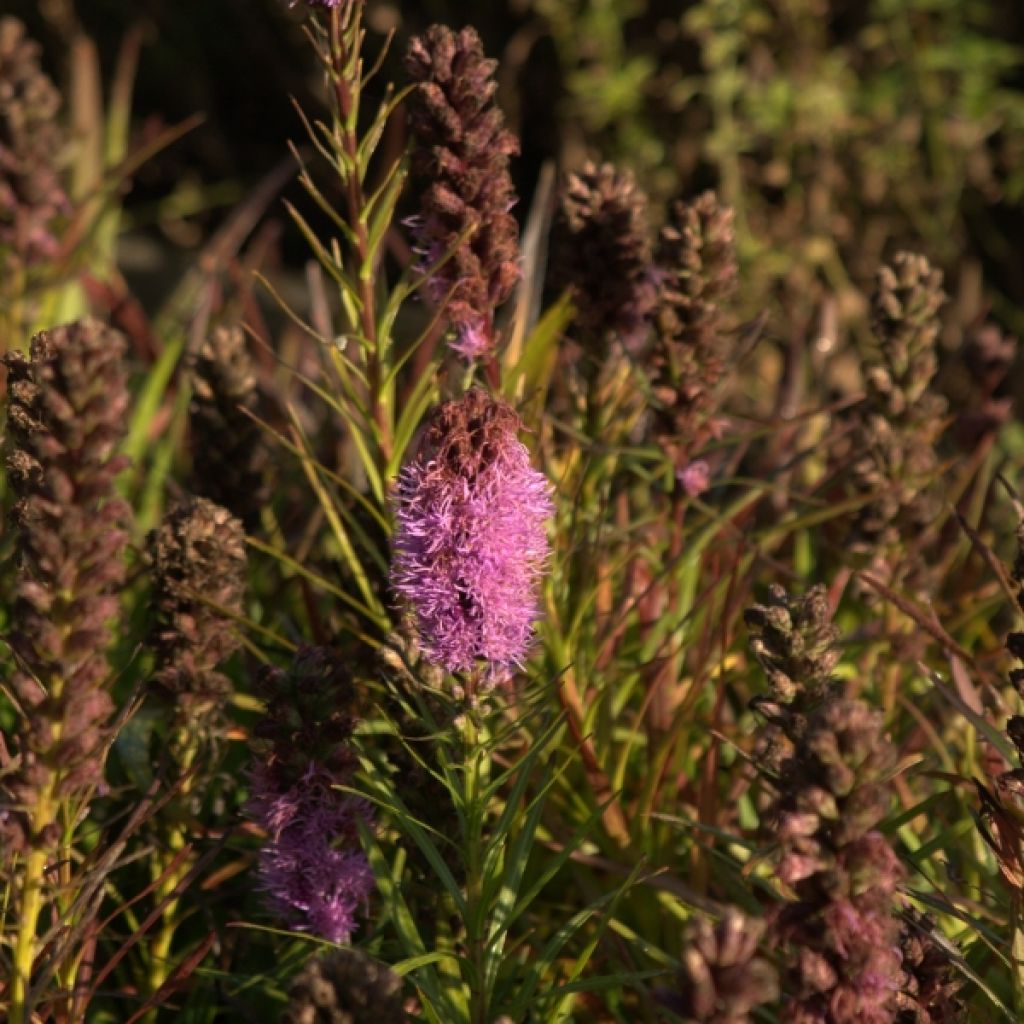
(19, 1011)
(1017, 950)
(475, 776)
(160, 949)
(44, 815)
(345, 43)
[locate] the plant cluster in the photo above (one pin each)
(499, 625)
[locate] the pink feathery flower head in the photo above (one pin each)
(470, 541)
(695, 477)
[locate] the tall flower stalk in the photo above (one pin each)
(837, 925)
(197, 560)
(363, 362)
(66, 413)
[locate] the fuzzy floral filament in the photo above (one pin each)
(470, 543)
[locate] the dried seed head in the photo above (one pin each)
(228, 454)
(600, 250)
(197, 558)
(465, 231)
(346, 986)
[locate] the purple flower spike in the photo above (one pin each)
(315, 877)
(470, 543)
(311, 869)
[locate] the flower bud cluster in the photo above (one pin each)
(465, 230)
(65, 418)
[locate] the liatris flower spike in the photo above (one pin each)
(840, 933)
(470, 543)
(460, 157)
(31, 194)
(311, 869)
(198, 563)
(693, 344)
(600, 249)
(65, 418)
(228, 453)
(891, 449)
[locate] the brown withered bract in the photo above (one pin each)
(466, 435)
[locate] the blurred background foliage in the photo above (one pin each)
(840, 131)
